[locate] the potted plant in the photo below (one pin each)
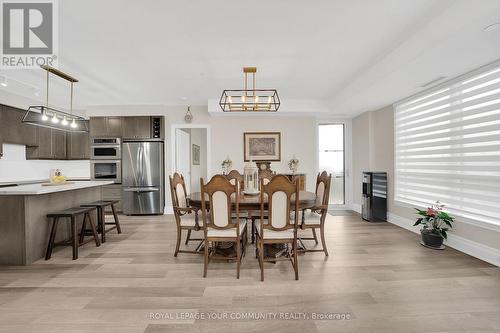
(293, 164)
(226, 165)
(435, 224)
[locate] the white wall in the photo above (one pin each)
(14, 166)
(199, 138)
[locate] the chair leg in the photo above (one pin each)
(52, 237)
(314, 236)
(117, 222)
(238, 258)
(188, 236)
(102, 222)
(253, 230)
(261, 258)
(82, 231)
(322, 232)
(74, 238)
(178, 244)
(295, 262)
(205, 265)
(92, 227)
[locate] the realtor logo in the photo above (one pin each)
(29, 34)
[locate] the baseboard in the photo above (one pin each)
(356, 208)
(169, 210)
(475, 249)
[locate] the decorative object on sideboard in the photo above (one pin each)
(263, 165)
(196, 154)
(245, 100)
(45, 116)
(189, 116)
(226, 165)
(262, 146)
(293, 164)
(251, 179)
(435, 224)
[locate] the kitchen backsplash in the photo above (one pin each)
(15, 167)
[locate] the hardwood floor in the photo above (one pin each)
(377, 275)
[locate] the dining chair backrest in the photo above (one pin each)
(266, 176)
(280, 193)
(178, 190)
(235, 178)
(323, 182)
(219, 192)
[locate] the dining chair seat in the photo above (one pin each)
(188, 220)
(271, 234)
(212, 232)
(310, 218)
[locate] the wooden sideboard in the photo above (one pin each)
(299, 177)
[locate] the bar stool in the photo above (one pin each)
(101, 218)
(75, 241)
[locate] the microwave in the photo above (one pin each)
(105, 149)
(106, 170)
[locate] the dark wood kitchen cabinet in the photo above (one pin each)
(78, 146)
(106, 127)
(13, 130)
(136, 127)
(51, 145)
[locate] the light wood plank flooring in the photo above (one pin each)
(377, 274)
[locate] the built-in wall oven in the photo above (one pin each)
(106, 170)
(106, 149)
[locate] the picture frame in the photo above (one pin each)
(195, 154)
(262, 146)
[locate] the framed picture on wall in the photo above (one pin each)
(262, 146)
(196, 154)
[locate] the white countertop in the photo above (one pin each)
(37, 189)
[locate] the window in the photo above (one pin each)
(447, 146)
(331, 159)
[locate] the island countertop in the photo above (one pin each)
(39, 189)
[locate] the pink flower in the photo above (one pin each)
(431, 212)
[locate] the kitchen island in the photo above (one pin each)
(24, 227)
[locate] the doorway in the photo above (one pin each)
(331, 145)
(191, 154)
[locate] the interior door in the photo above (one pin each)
(182, 156)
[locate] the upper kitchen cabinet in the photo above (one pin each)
(78, 146)
(106, 127)
(137, 127)
(51, 145)
(13, 130)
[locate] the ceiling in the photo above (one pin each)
(349, 55)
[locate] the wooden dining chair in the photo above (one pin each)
(219, 224)
(265, 176)
(280, 229)
(235, 177)
(186, 218)
(315, 218)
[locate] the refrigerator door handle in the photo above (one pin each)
(141, 189)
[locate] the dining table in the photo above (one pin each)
(251, 204)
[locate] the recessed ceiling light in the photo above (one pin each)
(492, 27)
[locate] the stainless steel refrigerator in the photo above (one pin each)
(143, 182)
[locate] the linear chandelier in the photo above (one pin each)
(44, 116)
(243, 100)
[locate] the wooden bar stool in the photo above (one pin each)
(101, 218)
(75, 241)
